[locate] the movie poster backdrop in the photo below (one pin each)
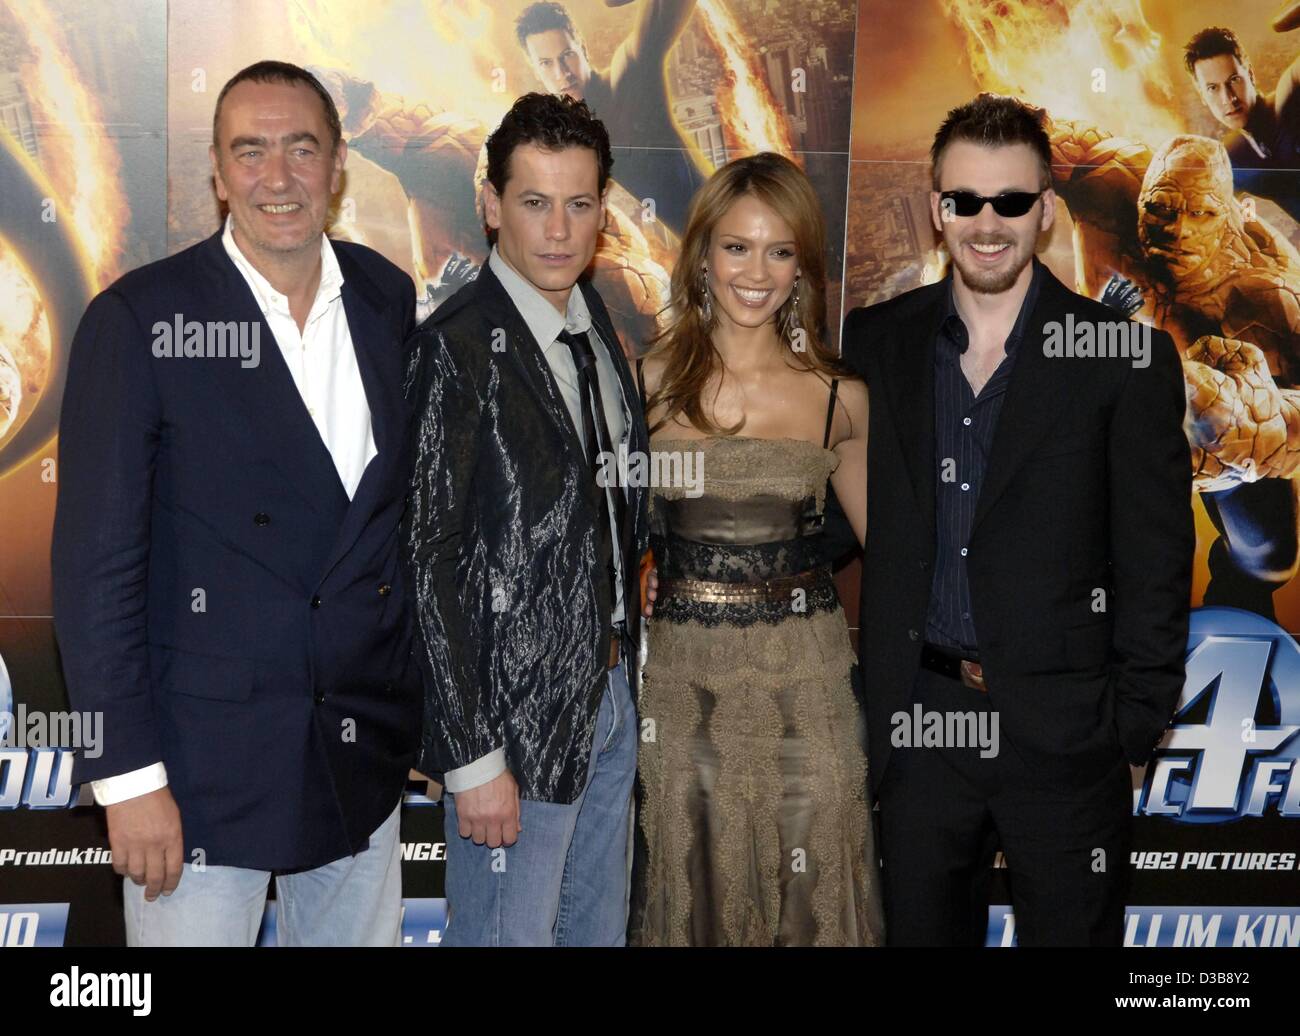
(105, 123)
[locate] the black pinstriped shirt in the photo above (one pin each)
(963, 435)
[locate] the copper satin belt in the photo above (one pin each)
(712, 592)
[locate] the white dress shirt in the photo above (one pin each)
(323, 363)
(546, 322)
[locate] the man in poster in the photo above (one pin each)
(630, 97)
(1263, 140)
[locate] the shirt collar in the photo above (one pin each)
(544, 321)
(268, 298)
(956, 327)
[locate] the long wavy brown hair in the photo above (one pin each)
(686, 344)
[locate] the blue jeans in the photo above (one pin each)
(565, 881)
(355, 901)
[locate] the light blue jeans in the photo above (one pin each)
(565, 881)
(355, 901)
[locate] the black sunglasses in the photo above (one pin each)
(1009, 205)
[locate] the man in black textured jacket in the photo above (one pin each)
(525, 555)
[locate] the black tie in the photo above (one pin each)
(596, 440)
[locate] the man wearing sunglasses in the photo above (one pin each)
(1027, 567)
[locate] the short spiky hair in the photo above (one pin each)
(543, 17)
(1211, 43)
(992, 120)
(553, 122)
(283, 72)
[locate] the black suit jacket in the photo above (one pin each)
(514, 608)
(216, 594)
(1081, 551)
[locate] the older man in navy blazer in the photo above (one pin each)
(233, 465)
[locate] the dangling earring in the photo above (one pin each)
(790, 325)
(706, 308)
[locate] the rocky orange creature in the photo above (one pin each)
(1226, 285)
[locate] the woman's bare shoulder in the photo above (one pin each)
(653, 365)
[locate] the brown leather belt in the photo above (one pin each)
(714, 592)
(954, 666)
(615, 642)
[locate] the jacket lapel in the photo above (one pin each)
(525, 351)
(910, 384)
(268, 397)
(1036, 398)
(637, 435)
(604, 328)
(379, 360)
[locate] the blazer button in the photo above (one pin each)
(261, 518)
(913, 635)
(385, 590)
(320, 698)
(924, 564)
(315, 602)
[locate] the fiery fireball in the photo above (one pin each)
(1106, 44)
(750, 119)
(25, 351)
(65, 226)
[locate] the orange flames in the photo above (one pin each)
(1099, 51)
(24, 339)
(80, 162)
(750, 119)
(77, 180)
(327, 33)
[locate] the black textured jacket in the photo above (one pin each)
(500, 535)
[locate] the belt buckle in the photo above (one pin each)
(972, 675)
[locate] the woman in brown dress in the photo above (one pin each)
(753, 822)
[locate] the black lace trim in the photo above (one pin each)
(677, 558)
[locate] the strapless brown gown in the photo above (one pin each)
(753, 824)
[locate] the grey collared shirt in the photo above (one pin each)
(546, 322)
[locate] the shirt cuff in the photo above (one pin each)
(480, 771)
(131, 785)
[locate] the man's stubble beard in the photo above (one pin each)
(991, 282)
(268, 248)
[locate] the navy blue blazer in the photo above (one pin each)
(216, 595)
